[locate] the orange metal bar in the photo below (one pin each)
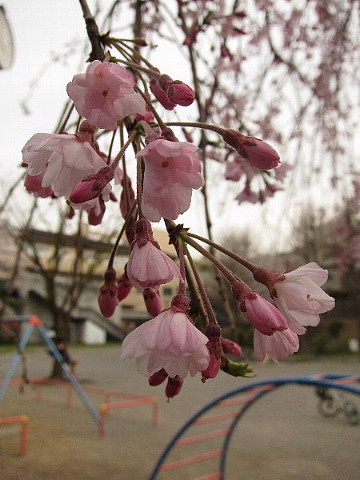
(106, 407)
(104, 411)
(216, 418)
(211, 476)
(24, 434)
(191, 460)
(203, 437)
(24, 420)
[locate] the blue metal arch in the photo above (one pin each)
(325, 380)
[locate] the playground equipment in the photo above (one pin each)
(24, 422)
(251, 394)
(129, 399)
(35, 322)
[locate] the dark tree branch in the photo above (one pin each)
(92, 29)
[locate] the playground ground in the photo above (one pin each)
(281, 437)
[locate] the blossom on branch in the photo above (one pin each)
(105, 94)
(300, 297)
(278, 345)
(63, 159)
(263, 315)
(172, 170)
(148, 266)
(169, 341)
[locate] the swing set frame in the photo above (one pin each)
(32, 322)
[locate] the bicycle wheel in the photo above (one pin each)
(351, 412)
(328, 407)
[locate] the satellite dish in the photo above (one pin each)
(6, 42)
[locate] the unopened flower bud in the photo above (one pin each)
(173, 386)
(263, 315)
(124, 287)
(231, 347)
(180, 93)
(161, 95)
(127, 197)
(213, 333)
(158, 378)
(153, 301)
(108, 294)
(92, 186)
(257, 152)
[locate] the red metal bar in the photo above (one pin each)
(203, 437)
(24, 420)
(216, 418)
(191, 460)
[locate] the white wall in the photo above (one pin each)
(92, 334)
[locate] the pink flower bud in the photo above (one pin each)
(153, 301)
(231, 347)
(158, 378)
(180, 93)
(127, 197)
(108, 293)
(260, 154)
(213, 368)
(263, 315)
(213, 333)
(173, 386)
(161, 95)
(124, 287)
(92, 186)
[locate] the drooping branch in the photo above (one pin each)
(92, 29)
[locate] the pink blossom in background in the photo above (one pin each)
(105, 94)
(63, 159)
(300, 298)
(263, 315)
(172, 170)
(278, 345)
(169, 341)
(150, 267)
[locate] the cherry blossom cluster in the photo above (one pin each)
(125, 96)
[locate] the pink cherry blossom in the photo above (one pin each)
(33, 184)
(63, 159)
(105, 94)
(278, 345)
(263, 315)
(172, 170)
(300, 298)
(149, 267)
(169, 341)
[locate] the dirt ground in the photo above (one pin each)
(281, 437)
